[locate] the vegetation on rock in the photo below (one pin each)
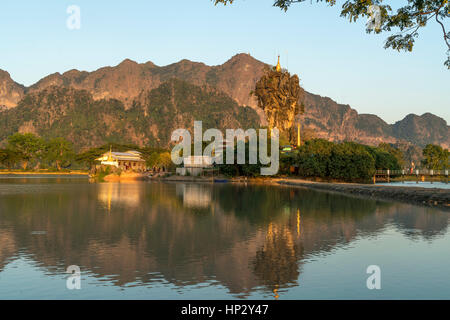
(435, 157)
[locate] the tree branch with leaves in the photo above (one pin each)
(404, 23)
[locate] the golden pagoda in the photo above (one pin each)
(110, 158)
(278, 68)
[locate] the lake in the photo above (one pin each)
(148, 240)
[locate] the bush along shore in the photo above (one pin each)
(322, 160)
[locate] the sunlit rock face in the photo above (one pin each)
(10, 92)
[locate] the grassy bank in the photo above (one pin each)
(43, 172)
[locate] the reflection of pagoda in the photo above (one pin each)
(276, 263)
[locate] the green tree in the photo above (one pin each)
(152, 160)
(386, 157)
(159, 159)
(351, 161)
(406, 20)
(395, 152)
(9, 158)
(88, 157)
(246, 169)
(435, 157)
(165, 160)
(27, 146)
(314, 158)
(59, 151)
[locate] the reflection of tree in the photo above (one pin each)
(427, 223)
(257, 204)
(277, 262)
(260, 204)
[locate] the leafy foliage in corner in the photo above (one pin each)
(407, 19)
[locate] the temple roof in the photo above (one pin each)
(121, 156)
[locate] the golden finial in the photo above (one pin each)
(278, 65)
(110, 153)
(275, 292)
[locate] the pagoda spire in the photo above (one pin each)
(110, 153)
(278, 65)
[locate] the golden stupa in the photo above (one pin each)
(278, 68)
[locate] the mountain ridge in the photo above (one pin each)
(236, 78)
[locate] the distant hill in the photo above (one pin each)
(422, 129)
(128, 85)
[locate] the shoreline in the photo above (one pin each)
(430, 197)
(37, 173)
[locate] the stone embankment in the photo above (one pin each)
(424, 196)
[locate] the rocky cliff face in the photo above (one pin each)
(337, 122)
(423, 129)
(128, 79)
(153, 116)
(10, 91)
(324, 117)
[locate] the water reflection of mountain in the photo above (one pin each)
(240, 237)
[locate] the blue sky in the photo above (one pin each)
(332, 57)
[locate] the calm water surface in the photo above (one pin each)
(439, 185)
(193, 241)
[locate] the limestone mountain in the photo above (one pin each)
(77, 116)
(10, 91)
(423, 129)
(337, 122)
(128, 79)
(129, 82)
